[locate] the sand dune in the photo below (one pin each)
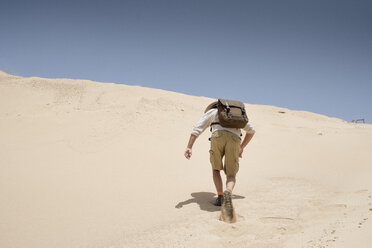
(87, 164)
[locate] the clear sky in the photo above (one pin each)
(313, 55)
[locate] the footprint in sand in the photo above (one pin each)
(274, 219)
(361, 191)
(281, 225)
(362, 222)
(333, 207)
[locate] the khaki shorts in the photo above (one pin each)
(225, 143)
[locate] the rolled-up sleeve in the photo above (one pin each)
(204, 122)
(249, 129)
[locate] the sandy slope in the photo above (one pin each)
(86, 164)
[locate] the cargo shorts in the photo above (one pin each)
(225, 144)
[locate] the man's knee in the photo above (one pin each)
(231, 178)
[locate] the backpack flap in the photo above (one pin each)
(231, 113)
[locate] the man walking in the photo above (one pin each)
(225, 142)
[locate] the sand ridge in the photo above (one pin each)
(88, 164)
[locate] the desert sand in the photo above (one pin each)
(88, 164)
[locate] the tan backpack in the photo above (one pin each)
(230, 113)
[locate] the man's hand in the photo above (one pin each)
(247, 139)
(241, 152)
(188, 153)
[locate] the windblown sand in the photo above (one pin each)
(87, 164)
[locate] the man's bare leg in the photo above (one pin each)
(218, 183)
(230, 183)
(217, 180)
(227, 211)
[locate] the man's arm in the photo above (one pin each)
(247, 139)
(188, 151)
(202, 124)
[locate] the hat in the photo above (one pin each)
(210, 106)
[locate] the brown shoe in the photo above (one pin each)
(218, 201)
(227, 210)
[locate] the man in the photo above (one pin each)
(225, 142)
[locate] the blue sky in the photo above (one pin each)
(304, 55)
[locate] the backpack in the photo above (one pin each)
(230, 113)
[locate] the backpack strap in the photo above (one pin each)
(213, 123)
(228, 110)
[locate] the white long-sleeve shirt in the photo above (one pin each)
(212, 116)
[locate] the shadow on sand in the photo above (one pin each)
(205, 201)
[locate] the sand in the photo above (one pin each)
(88, 164)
